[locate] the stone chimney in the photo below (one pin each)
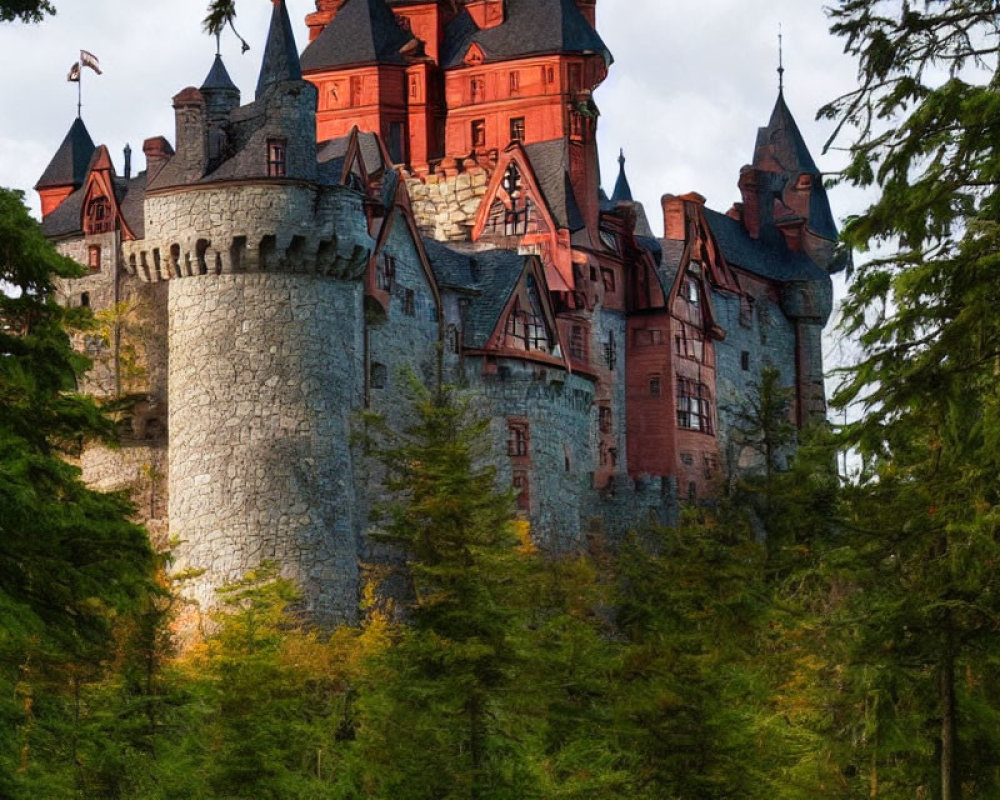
(191, 160)
(674, 224)
(158, 152)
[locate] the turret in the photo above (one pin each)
(622, 192)
(281, 56)
(67, 169)
(221, 99)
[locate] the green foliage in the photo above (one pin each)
(922, 527)
(25, 10)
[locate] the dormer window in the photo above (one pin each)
(276, 165)
(99, 218)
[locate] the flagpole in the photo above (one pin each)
(79, 95)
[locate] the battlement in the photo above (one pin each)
(252, 227)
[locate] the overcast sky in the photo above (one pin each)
(691, 83)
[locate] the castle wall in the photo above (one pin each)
(266, 371)
(769, 339)
(445, 204)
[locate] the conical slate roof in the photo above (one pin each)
(622, 192)
(218, 78)
(68, 166)
(281, 56)
(785, 139)
(363, 32)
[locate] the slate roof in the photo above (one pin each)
(451, 268)
(65, 220)
(550, 163)
(363, 32)
(768, 258)
(783, 134)
(281, 56)
(496, 273)
(130, 194)
(218, 78)
(532, 27)
(622, 192)
(69, 165)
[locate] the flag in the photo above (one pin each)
(74, 73)
(90, 60)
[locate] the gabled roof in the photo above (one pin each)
(452, 269)
(550, 164)
(281, 56)
(68, 166)
(769, 258)
(363, 32)
(532, 27)
(496, 273)
(784, 140)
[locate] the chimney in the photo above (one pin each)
(674, 218)
(326, 10)
(128, 161)
(589, 10)
(158, 152)
(192, 136)
(486, 13)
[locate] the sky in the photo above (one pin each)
(691, 83)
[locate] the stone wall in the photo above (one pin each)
(445, 204)
(265, 373)
(140, 470)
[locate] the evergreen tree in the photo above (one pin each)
(924, 535)
(70, 560)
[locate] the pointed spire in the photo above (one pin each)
(622, 192)
(783, 141)
(218, 78)
(281, 56)
(69, 165)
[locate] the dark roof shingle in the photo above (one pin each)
(363, 32)
(68, 166)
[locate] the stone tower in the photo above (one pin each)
(265, 272)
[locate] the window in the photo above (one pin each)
(477, 88)
(578, 343)
(517, 439)
(85, 300)
(451, 339)
(608, 276)
(550, 75)
(610, 351)
(94, 258)
(694, 406)
(745, 360)
(576, 124)
(385, 273)
(379, 375)
(525, 330)
(655, 387)
(355, 90)
(691, 293)
(604, 419)
(276, 158)
(408, 304)
(478, 133)
(517, 129)
(575, 77)
(522, 488)
(690, 343)
(517, 212)
(647, 337)
(515, 82)
(99, 218)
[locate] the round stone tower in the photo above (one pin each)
(265, 267)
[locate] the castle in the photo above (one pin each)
(419, 191)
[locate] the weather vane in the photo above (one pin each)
(781, 60)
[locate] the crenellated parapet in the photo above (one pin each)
(249, 227)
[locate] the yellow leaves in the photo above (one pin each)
(522, 528)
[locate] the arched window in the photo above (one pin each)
(516, 213)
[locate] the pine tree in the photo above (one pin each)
(923, 538)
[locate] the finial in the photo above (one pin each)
(218, 43)
(781, 61)
(621, 156)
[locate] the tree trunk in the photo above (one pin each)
(951, 788)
